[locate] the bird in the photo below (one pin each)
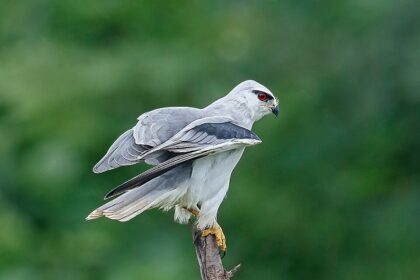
(192, 153)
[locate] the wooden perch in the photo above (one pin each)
(209, 259)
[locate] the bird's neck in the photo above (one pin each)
(232, 108)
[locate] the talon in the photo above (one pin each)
(194, 212)
(217, 231)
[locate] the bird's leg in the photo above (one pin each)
(194, 212)
(217, 231)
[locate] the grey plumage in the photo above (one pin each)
(153, 128)
(192, 143)
(194, 152)
(123, 152)
(150, 195)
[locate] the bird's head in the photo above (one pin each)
(256, 98)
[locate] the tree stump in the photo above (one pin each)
(208, 256)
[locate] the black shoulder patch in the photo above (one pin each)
(226, 130)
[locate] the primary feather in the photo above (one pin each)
(196, 142)
(123, 152)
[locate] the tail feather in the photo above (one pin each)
(162, 192)
(132, 203)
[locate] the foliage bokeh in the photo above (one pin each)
(333, 192)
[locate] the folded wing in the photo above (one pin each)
(153, 128)
(199, 139)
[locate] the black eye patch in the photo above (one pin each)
(269, 97)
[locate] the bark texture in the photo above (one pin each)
(209, 259)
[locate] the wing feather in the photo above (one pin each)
(153, 128)
(203, 133)
(211, 139)
(153, 173)
(124, 151)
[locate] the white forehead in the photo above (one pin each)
(249, 85)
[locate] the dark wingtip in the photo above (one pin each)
(255, 136)
(112, 194)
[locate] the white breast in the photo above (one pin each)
(210, 177)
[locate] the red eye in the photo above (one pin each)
(262, 96)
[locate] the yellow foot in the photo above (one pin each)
(194, 212)
(217, 231)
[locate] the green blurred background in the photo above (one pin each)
(333, 192)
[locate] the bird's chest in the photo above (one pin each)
(211, 175)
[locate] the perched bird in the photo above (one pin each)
(193, 153)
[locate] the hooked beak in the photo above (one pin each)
(275, 110)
